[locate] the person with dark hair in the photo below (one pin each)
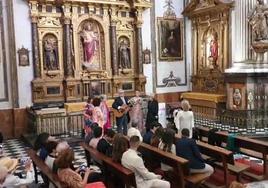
(167, 144)
(40, 143)
(89, 132)
(52, 153)
(97, 115)
(134, 131)
(134, 162)
(97, 132)
(149, 134)
(152, 114)
(120, 145)
(105, 144)
(188, 149)
(156, 138)
(68, 176)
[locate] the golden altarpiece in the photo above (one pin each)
(210, 54)
(84, 48)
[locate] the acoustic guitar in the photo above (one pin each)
(122, 111)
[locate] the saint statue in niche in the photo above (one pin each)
(90, 43)
(124, 55)
(50, 53)
(212, 49)
(258, 20)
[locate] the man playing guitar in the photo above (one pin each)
(121, 107)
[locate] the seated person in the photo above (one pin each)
(7, 179)
(52, 153)
(149, 134)
(120, 145)
(68, 176)
(40, 143)
(134, 162)
(105, 144)
(134, 131)
(97, 132)
(167, 144)
(156, 138)
(188, 149)
(89, 131)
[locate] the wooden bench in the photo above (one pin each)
(224, 158)
(109, 166)
(247, 146)
(180, 165)
(45, 169)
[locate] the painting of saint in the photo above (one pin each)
(90, 42)
(51, 61)
(170, 32)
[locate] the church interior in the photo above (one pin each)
(198, 69)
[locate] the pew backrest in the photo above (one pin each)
(109, 165)
(45, 169)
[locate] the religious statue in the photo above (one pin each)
(124, 55)
(250, 100)
(90, 43)
(213, 45)
(258, 21)
(237, 97)
(50, 53)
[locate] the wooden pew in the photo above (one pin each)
(223, 155)
(44, 168)
(180, 165)
(126, 175)
(248, 146)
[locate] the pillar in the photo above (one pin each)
(35, 45)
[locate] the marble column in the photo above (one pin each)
(241, 31)
(35, 45)
(67, 48)
(139, 48)
(114, 54)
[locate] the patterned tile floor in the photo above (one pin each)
(15, 148)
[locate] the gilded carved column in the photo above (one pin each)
(35, 45)
(67, 48)
(113, 40)
(139, 43)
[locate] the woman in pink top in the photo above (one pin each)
(106, 113)
(97, 115)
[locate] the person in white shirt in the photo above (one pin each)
(134, 162)
(184, 118)
(167, 144)
(7, 179)
(134, 131)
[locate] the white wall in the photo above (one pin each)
(146, 42)
(6, 104)
(23, 35)
(178, 67)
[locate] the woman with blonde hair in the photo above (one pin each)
(184, 118)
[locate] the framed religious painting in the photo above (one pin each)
(23, 57)
(170, 39)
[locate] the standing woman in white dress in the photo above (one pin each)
(184, 118)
